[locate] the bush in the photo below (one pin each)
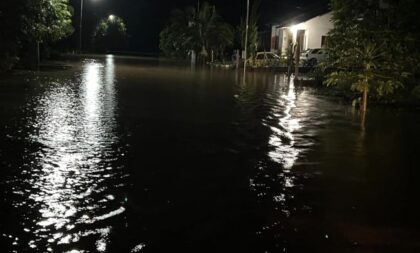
(319, 74)
(7, 62)
(416, 92)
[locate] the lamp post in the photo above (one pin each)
(81, 25)
(246, 34)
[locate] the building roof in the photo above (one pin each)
(302, 15)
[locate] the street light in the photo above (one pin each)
(111, 17)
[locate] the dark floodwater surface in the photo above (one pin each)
(140, 155)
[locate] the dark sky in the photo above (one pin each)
(146, 18)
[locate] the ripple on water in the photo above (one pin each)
(67, 187)
(289, 114)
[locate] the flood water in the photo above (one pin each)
(141, 155)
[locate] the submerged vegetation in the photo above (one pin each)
(373, 47)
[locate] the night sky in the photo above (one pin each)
(146, 18)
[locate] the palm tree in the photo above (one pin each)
(180, 35)
(214, 33)
(199, 29)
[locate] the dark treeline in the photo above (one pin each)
(373, 48)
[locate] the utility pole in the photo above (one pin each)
(246, 34)
(81, 25)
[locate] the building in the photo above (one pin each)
(309, 32)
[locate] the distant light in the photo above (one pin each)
(111, 17)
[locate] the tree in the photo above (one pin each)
(221, 38)
(180, 35)
(290, 58)
(24, 22)
(48, 20)
(110, 34)
(368, 47)
(200, 30)
(368, 68)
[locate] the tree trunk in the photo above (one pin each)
(363, 108)
(297, 59)
(38, 55)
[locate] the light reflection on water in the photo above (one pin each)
(282, 138)
(66, 181)
(274, 180)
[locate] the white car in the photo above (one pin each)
(312, 57)
(266, 59)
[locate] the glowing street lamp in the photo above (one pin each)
(111, 18)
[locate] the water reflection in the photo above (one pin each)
(286, 115)
(282, 138)
(71, 177)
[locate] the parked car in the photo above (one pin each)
(266, 59)
(312, 57)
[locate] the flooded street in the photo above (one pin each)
(120, 154)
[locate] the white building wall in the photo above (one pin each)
(316, 28)
(275, 33)
(286, 39)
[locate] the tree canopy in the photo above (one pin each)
(110, 34)
(24, 22)
(201, 30)
(372, 47)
